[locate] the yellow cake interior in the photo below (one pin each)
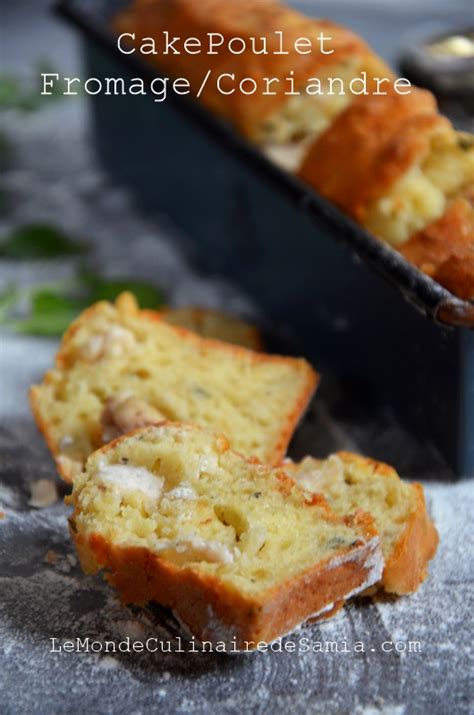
(117, 360)
(179, 492)
(422, 194)
(286, 134)
(350, 485)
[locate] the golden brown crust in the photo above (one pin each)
(407, 565)
(127, 304)
(457, 275)
(445, 248)
(67, 468)
(370, 146)
(240, 18)
(213, 609)
(326, 615)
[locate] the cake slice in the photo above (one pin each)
(445, 248)
(235, 548)
(350, 482)
(120, 368)
(215, 324)
(402, 163)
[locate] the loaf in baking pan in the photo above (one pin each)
(385, 156)
(408, 177)
(119, 368)
(282, 116)
(366, 135)
(236, 549)
(350, 482)
(440, 172)
(392, 162)
(445, 248)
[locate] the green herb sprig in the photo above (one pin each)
(37, 241)
(53, 306)
(23, 94)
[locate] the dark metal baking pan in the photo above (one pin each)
(351, 303)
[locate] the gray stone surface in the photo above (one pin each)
(53, 177)
(44, 595)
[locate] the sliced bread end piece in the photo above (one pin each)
(349, 482)
(120, 368)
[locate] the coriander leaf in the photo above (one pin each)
(54, 306)
(51, 324)
(147, 295)
(38, 241)
(46, 302)
(24, 93)
(8, 298)
(51, 313)
(14, 95)
(10, 92)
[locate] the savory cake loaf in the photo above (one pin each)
(235, 548)
(215, 324)
(437, 174)
(408, 178)
(445, 248)
(119, 368)
(389, 160)
(392, 162)
(274, 117)
(350, 482)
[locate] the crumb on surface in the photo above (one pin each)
(51, 557)
(43, 493)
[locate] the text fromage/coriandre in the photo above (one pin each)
(225, 83)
